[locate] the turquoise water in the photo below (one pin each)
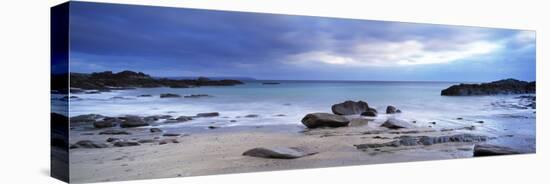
(419, 101)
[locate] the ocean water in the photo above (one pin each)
(288, 102)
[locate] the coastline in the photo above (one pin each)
(220, 151)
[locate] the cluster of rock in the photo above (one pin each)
(506, 86)
(424, 140)
(104, 81)
(337, 119)
(130, 121)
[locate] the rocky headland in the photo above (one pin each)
(501, 87)
(104, 81)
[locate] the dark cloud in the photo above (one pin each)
(177, 41)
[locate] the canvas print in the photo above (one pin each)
(153, 92)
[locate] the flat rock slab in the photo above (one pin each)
(481, 150)
(425, 140)
(279, 152)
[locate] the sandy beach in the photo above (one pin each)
(220, 152)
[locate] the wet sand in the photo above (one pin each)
(220, 151)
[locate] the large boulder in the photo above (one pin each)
(350, 107)
(481, 150)
(394, 123)
(278, 152)
(132, 121)
(506, 86)
(315, 120)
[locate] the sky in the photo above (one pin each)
(169, 42)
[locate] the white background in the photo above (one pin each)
(24, 112)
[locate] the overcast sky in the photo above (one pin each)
(187, 42)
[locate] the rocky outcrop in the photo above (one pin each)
(208, 114)
(129, 79)
(425, 140)
(106, 123)
(316, 120)
(196, 96)
(169, 95)
(278, 152)
(350, 107)
(132, 121)
(506, 86)
(481, 150)
(394, 123)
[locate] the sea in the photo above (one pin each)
(287, 102)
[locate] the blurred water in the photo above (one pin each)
(419, 101)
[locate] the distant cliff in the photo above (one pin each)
(130, 79)
(506, 86)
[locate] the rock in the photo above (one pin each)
(208, 114)
(166, 141)
(425, 140)
(169, 95)
(89, 144)
(392, 110)
(270, 83)
(393, 123)
(126, 143)
(350, 107)
(196, 96)
(278, 152)
(481, 150)
(86, 118)
(108, 80)
(113, 139)
(251, 116)
(171, 134)
(145, 96)
(146, 141)
(105, 123)
(480, 122)
(315, 120)
(506, 86)
(280, 115)
(433, 122)
(132, 121)
(155, 130)
(370, 112)
(184, 118)
(213, 127)
(114, 132)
